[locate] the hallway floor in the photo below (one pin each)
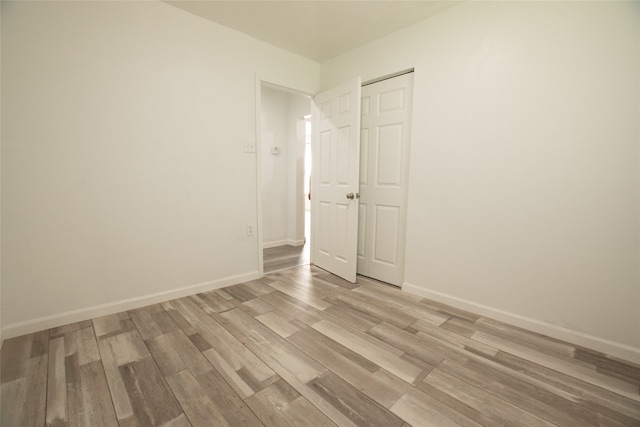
(286, 256)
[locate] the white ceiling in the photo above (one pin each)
(318, 30)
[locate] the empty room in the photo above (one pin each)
(310, 213)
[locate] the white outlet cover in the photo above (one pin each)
(249, 145)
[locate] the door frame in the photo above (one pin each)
(259, 82)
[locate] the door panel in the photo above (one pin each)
(386, 123)
(364, 156)
(325, 157)
(342, 232)
(385, 234)
(362, 223)
(389, 155)
(342, 158)
(392, 100)
(322, 241)
(335, 173)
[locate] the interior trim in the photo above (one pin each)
(388, 76)
(53, 321)
(621, 351)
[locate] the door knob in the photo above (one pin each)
(350, 196)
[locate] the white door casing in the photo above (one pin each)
(335, 175)
(384, 164)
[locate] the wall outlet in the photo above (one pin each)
(249, 145)
(250, 230)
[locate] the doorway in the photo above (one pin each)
(284, 125)
(384, 126)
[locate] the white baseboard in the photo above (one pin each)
(274, 244)
(289, 242)
(296, 242)
(622, 351)
(55, 320)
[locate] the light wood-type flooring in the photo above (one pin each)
(304, 348)
(285, 256)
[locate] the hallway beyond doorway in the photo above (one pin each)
(286, 256)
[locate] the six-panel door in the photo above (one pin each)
(335, 172)
(384, 161)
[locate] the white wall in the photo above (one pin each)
(124, 175)
(282, 174)
(524, 199)
(275, 170)
(299, 106)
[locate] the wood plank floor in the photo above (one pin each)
(304, 348)
(286, 256)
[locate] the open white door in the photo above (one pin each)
(335, 179)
